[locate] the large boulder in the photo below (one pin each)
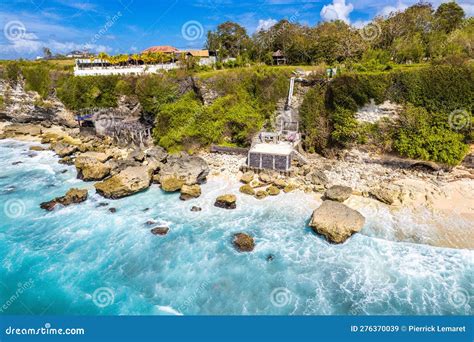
(73, 196)
(19, 130)
(126, 183)
(336, 221)
(189, 192)
(338, 193)
(190, 169)
(226, 202)
(171, 183)
(247, 189)
(91, 169)
(243, 242)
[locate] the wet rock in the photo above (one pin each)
(273, 190)
(73, 196)
(90, 168)
(113, 210)
(145, 210)
(102, 204)
(126, 183)
(196, 209)
(17, 163)
(189, 192)
(243, 242)
(171, 183)
(338, 193)
(160, 230)
(261, 194)
(37, 148)
(247, 189)
(66, 161)
(336, 221)
(247, 177)
(270, 257)
(226, 202)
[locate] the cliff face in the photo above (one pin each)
(21, 106)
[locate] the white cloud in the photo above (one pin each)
(468, 8)
(338, 10)
(265, 24)
(385, 11)
(358, 24)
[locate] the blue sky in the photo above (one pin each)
(124, 26)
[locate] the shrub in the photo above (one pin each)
(37, 78)
(425, 136)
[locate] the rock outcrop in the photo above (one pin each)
(190, 169)
(338, 193)
(126, 183)
(21, 106)
(189, 192)
(160, 230)
(336, 221)
(90, 166)
(243, 242)
(226, 202)
(71, 197)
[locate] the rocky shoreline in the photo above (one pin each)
(124, 171)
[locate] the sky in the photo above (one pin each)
(129, 26)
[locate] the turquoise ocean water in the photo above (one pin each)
(83, 259)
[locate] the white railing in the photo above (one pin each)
(128, 70)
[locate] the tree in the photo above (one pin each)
(449, 16)
(47, 53)
(230, 39)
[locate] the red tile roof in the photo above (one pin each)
(164, 49)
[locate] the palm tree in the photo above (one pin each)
(135, 57)
(103, 57)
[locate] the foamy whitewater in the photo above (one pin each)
(83, 259)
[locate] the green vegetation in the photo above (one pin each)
(430, 94)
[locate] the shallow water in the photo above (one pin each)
(83, 259)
